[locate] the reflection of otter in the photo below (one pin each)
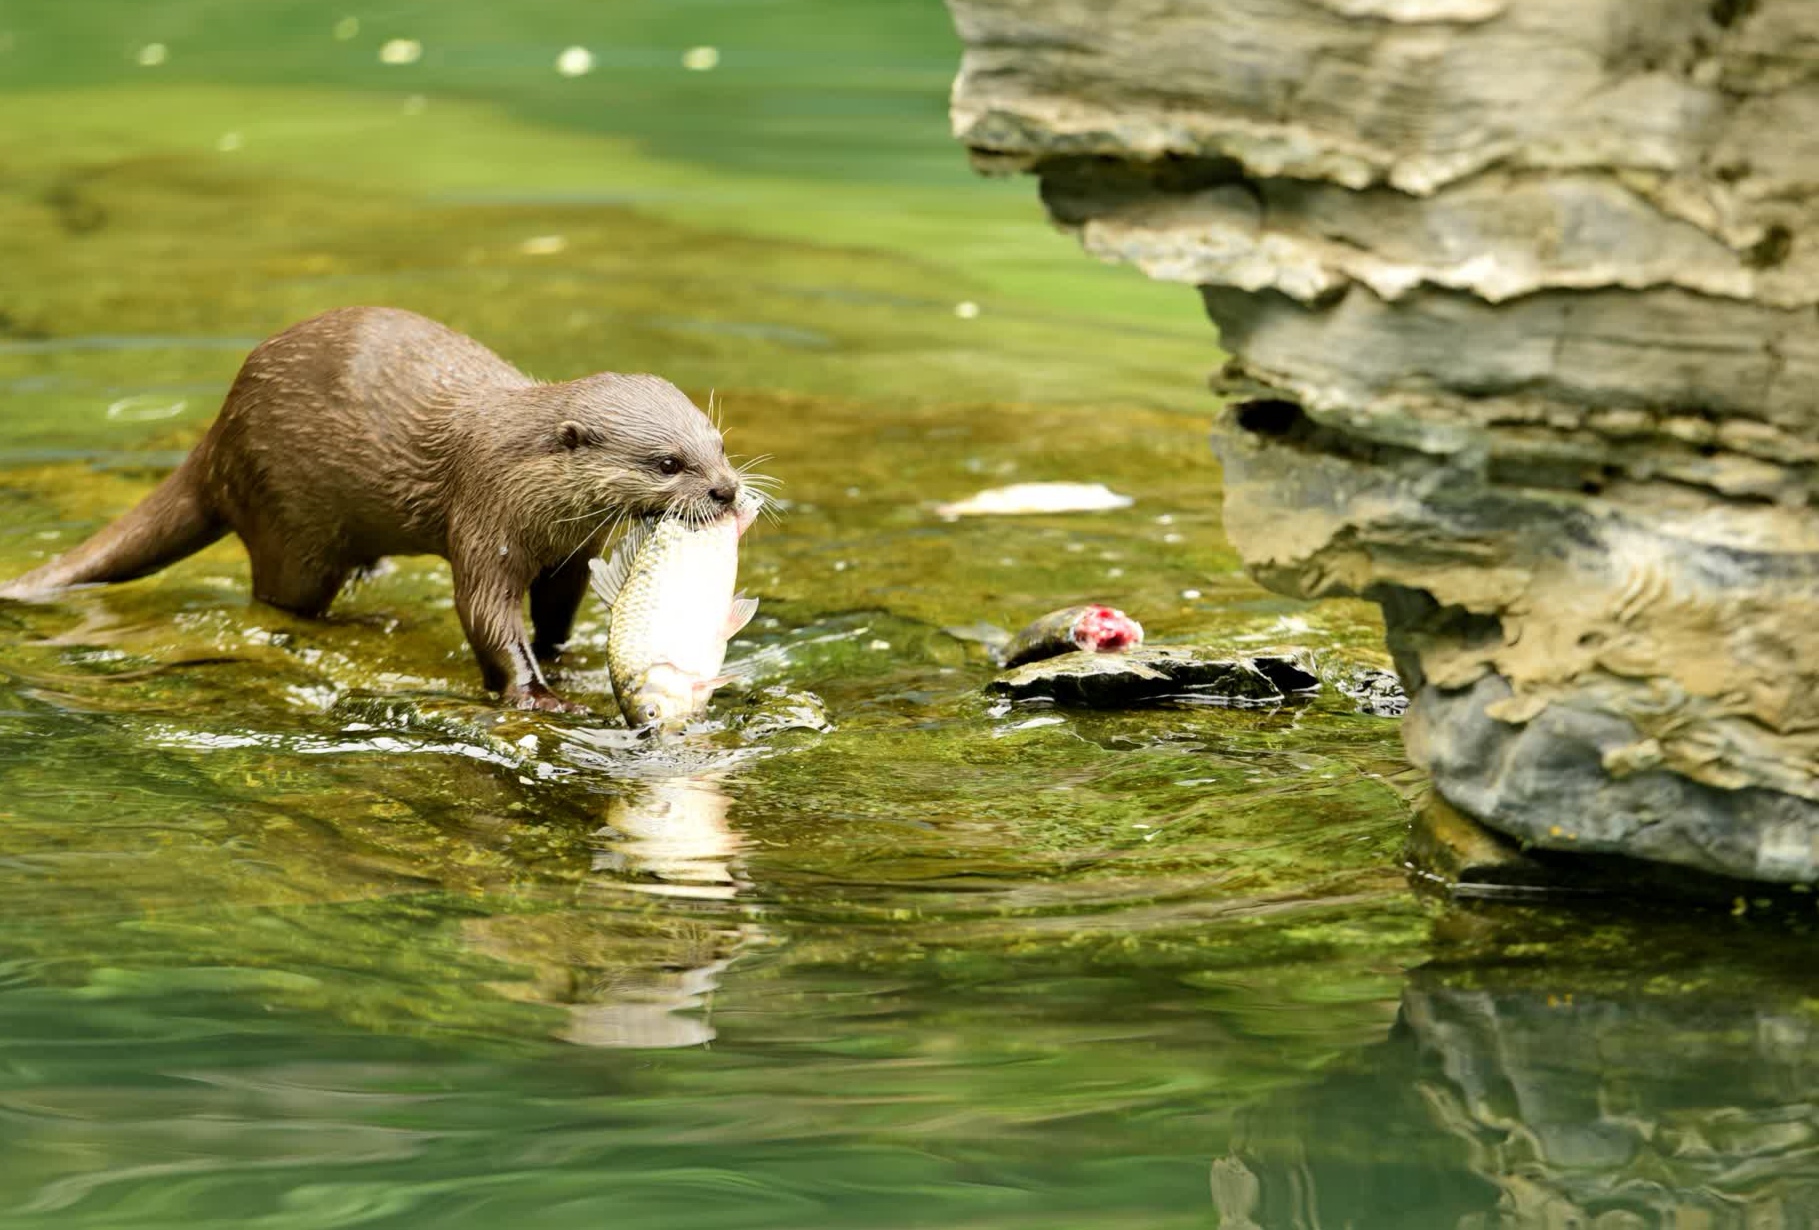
(368, 432)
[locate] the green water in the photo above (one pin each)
(300, 932)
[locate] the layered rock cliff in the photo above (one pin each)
(1522, 299)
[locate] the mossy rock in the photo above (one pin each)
(1158, 673)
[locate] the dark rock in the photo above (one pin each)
(1460, 854)
(1571, 778)
(1199, 674)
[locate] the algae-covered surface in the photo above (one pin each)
(300, 931)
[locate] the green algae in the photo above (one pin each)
(297, 829)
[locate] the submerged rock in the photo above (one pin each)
(1526, 356)
(775, 709)
(1143, 676)
(1021, 499)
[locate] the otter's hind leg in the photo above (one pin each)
(290, 579)
(301, 591)
(555, 597)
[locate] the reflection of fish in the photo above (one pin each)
(672, 836)
(1093, 628)
(630, 977)
(668, 589)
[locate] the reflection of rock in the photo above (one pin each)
(1614, 1112)
(1140, 676)
(1666, 1091)
(1521, 307)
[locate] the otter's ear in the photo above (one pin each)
(572, 435)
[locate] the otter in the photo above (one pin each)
(369, 431)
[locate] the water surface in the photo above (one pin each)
(301, 932)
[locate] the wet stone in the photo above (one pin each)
(1377, 693)
(1201, 674)
(1465, 858)
(775, 709)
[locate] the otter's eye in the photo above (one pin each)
(670, 465)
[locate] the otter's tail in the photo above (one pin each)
(175, 520)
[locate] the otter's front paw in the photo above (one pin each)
(540, 698)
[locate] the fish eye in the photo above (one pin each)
(670, 465)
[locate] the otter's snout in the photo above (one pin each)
(724, 492)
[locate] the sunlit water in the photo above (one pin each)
(300, 932)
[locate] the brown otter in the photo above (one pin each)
(367, 432)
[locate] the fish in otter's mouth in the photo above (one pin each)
(669, 592)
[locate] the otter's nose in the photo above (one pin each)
(725, 493)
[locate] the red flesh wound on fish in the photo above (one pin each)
(1104, 629)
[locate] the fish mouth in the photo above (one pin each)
(743, 511)
(699, 514)
(746, 509)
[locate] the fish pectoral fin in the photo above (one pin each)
(707, 686)
(678, 678)
(609, 574)
(739, 615)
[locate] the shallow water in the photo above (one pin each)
(301, 932)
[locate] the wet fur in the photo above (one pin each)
(367, 432)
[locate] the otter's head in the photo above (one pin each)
(639, 444)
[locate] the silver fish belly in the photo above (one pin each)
(668, 589)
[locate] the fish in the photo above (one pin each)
(1093, 628)
(668, 588)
